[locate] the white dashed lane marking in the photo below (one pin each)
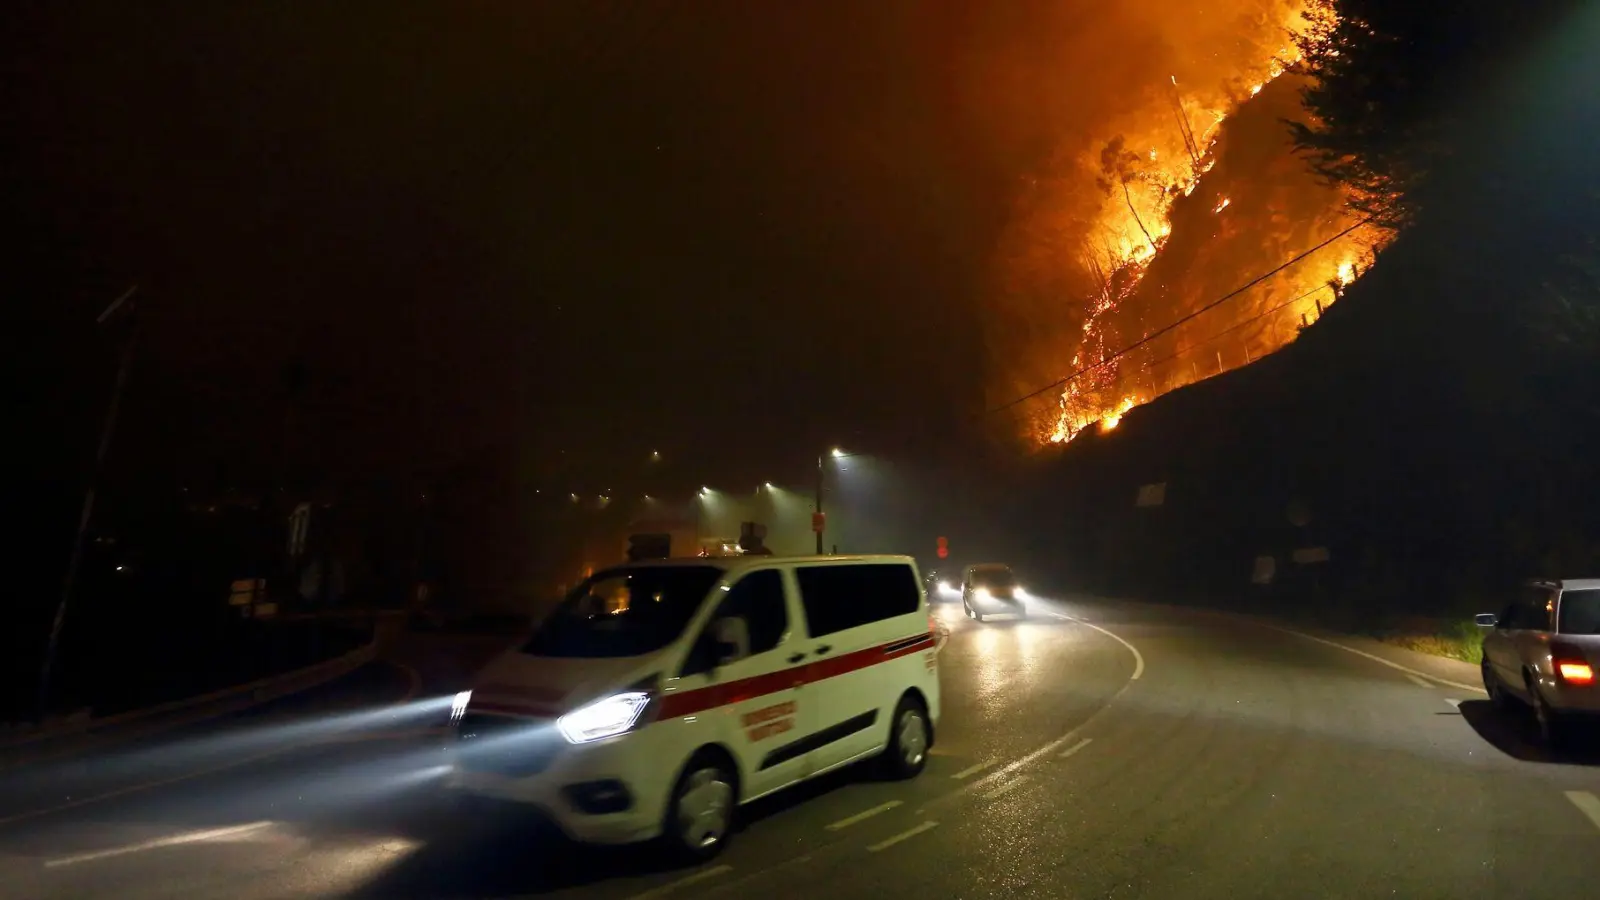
(1587, 804)
(862, 816)
(1419, 682)
(902, 836)
(696, 878)
(969, 771)
(1075, 748)
(1006, 787)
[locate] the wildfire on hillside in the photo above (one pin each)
(1176, 198)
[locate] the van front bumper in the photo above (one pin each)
(596, 793)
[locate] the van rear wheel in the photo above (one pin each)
(909, 733)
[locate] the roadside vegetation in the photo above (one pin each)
(1456, 639)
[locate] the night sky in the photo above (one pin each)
(735, 232)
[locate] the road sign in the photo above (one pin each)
(818, 520)
(1151, 494)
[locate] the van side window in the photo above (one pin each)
(758, 599)
(841, 597)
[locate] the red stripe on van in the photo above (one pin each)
(688, 703)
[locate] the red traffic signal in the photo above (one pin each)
(944, 548)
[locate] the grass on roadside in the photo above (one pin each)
(1460, 639)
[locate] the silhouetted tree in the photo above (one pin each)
(1392, 82)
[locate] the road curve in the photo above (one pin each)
(1241, 761)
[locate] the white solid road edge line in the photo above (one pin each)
(191, 837)
(1006, 787)
(1138, 658)
(973, 769)
(860, 817)
(902, 836)
(1374, 657)
(1587, 804)
(683, 882)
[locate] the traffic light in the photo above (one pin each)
(944, 548)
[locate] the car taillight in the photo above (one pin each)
(1575, 672)
(1570, 665)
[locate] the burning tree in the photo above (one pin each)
(1134, 221)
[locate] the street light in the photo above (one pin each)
(817, 526)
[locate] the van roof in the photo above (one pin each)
(1580, 584)
(732, 563)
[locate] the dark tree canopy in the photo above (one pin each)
(1393, 81)
(1475, 122)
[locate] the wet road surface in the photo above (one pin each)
(1092, 750)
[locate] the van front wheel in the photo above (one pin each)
(907, 752)
(700, 814)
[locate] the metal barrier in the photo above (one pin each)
(386, 626)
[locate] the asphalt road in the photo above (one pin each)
(1124, 751)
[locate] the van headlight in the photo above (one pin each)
(616, 714)
(981, 593)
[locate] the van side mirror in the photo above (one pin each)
(732, 636)
(1487, 620)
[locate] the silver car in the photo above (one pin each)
(1543, 652)
(990, 588)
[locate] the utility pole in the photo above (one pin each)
(46, 668)
(817, 524)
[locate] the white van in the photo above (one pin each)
(661, 695)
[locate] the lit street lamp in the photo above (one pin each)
(820, 522)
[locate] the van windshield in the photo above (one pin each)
(624, 612)
(993, 577)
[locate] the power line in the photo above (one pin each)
(1232, 328)
(1185, 319)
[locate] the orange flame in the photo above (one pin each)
(1135, 221)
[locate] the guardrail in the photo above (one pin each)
(208, 705)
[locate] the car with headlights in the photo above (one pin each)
(661, 695)
(1543, 650)
(991, 588)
